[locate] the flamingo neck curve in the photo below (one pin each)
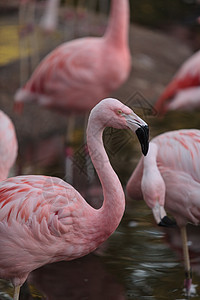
(112, 210)
(118, 25)
(150, 158)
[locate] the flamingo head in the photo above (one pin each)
(113, 113)
(154, 196)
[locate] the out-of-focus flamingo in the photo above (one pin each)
(8, 145)
(44, 219)
(78, 74)
(183, 92)
(49, 20)
(169, 177)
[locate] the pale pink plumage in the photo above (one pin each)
(78, 74)
(8, 145)
(169, 178)
(174, 157)
(183, 92)
(44, 219)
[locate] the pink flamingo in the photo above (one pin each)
(169, 177)
(183, 92)
(8, 145)
(44, 219)
(79, 73)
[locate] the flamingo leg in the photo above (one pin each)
(188, 279)
(22, 45)
(33, 40)
(89, 167)
(69, 150)
(16, 292)
(69, 153)
(27, 40)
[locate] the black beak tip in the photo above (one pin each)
(145, 149)
(143, 136)
(167, 222)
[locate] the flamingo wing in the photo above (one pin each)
(182, 196)
(180, 150)
(68, 72)
(187, 99)
(40, 221)
(187, 76)
(46, 201)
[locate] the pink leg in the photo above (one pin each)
(69, 150)
(188, 278)
(16, 292)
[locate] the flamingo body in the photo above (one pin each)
(44, 219)
(78, 74)
(173, 157)
(8, 145)
(40, 211)
(183, 91)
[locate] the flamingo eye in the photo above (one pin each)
(119, 111)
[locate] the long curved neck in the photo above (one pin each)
(3, 173)
(149, 161)
(111, 212)
(118, 26)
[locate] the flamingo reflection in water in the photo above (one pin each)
(82, 278)
(173, 240)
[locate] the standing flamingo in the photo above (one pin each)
(183, 92)
(79, 73)
(8, 145)
(169, 177)
(44, 219)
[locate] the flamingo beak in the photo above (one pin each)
(140, 127)
(143, 136)
(161, 217)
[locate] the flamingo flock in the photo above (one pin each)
(44, 219)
